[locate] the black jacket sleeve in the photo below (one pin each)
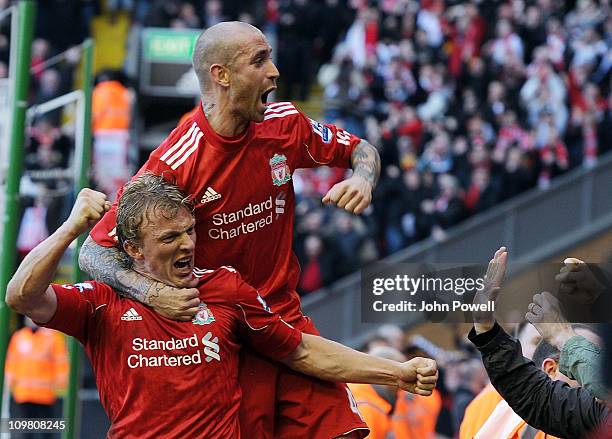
(550, 406)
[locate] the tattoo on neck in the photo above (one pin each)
(366, 162)
(207, 108)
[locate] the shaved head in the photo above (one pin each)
(220, 44)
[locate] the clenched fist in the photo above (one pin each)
(353, 194)
(89, 207)
(419, 376)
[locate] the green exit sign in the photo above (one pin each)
(169, 45)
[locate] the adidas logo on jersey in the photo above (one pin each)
(131, 315)
(210, 195)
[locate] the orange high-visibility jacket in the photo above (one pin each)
(110, 106)
(400, 424)
(36, 365)
(478, 411)
(374, 410)
(488, 416)
(415, 416)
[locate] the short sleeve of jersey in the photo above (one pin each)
(264, 329)
(76, 306)
(163, 161)
(324, 144)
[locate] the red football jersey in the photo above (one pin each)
(244, 193)
(161, 378)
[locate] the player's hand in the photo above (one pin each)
(173, 303)
(419, 376)
(353, 194)
(545, 314)
(496, 272)
(89, 207)
(578, 282)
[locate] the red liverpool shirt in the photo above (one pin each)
(161, 378)
(244, 194)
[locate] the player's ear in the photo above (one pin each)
(220, 74)
(133, 250)
(550, 366)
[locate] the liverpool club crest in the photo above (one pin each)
(279, 169)
(204, 315)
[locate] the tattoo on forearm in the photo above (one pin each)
(108, 266)
(366, 162)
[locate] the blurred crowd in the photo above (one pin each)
(470, 104)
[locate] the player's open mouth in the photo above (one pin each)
(183, 264)
(265, 94)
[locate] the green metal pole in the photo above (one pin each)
(81, 181)
(10, 222)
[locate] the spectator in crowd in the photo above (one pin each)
(36, 372)
(111, 103)
(554, 408)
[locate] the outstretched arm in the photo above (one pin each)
(29, 291)
(332, 361)
(355, 193)
(106, 264)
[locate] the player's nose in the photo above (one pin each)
(188, 242)
(273, 72)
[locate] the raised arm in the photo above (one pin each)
(29, 291)
(332, 361)
(355, 193)
(106, 264)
